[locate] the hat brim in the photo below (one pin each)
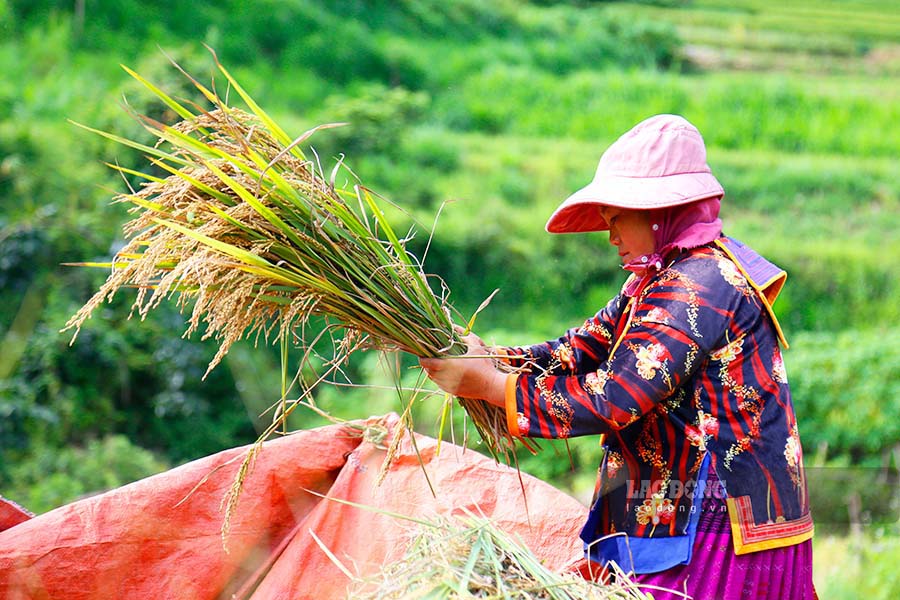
(578, 213)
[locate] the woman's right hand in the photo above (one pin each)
(472, 375)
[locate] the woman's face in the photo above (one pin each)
(630, 232)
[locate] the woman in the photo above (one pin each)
(702, 486)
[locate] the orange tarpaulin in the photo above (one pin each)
(156, 539)
(11, 514)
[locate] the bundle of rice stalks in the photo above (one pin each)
(468, 557)
(255, 239)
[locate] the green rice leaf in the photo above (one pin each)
(235, 223)
(221, 197)
(382, 221)
(258, 206)
(140, 174)
(150, 150)
(178, 108)
(148, 204)
(279, 133)
(101, 265)
(244, 256)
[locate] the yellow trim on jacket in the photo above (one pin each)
(749, 537)
(767, 291)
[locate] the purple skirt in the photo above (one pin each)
(717, 573)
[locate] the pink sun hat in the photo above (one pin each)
(661, 162)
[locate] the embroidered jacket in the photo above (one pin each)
(689, 367)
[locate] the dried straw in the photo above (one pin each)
(469, 556)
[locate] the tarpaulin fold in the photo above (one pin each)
(161, 537)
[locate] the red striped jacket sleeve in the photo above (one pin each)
(581, 348)
(675, 323)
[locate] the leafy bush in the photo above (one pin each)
(409, 173)
(376, 120)
(845, 387)
(138, 378)
(52, 477)
(861, 566)
(835, 287)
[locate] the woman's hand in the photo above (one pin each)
(472, 375)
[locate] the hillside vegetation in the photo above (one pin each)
(490, 113)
